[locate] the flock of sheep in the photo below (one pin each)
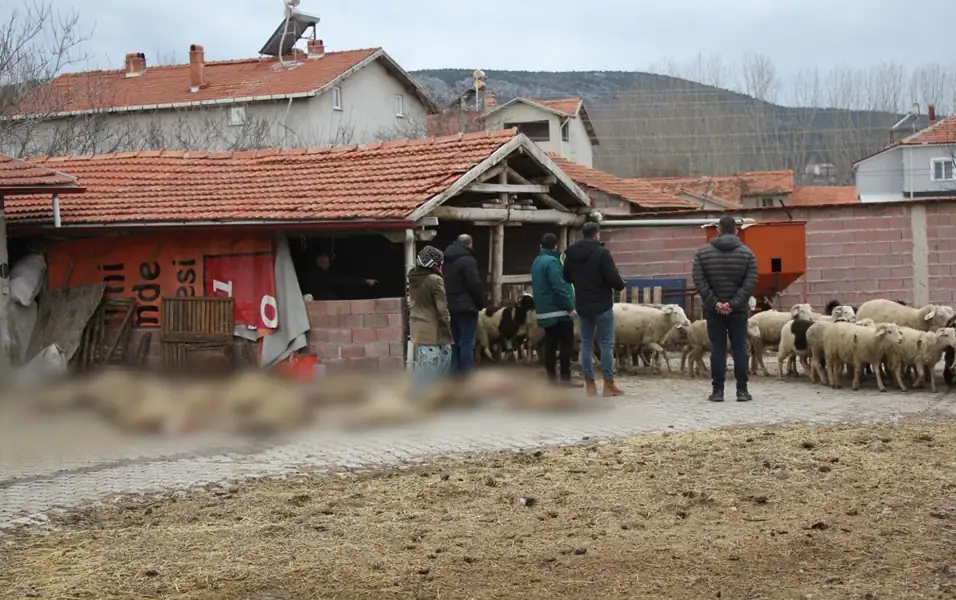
(904, 343)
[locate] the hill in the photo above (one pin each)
(657, 125)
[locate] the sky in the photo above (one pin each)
(550, 35)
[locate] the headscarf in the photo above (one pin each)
(430, 257)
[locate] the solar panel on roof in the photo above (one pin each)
(278, 45)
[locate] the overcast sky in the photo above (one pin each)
(539, 34)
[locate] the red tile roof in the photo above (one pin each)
(382, 181)
(819, 195)
(728, 190)
(565, 106)
(634, 191)
(942, 132)
(226, 80)
(19, 177)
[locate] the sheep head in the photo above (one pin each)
(676, 316)
(753, 329)
(525, 302)
(937, 314)
(844, 314)
(890, 333)
(946, 336)
(801, 312)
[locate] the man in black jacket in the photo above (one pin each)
(589, 267)
(725, 273)
(465, 299)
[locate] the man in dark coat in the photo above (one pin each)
(323, 284)
(590, 268)
(465, 299)
(725, 273)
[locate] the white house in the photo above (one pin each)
(287, 97)
(560, 126)
(918, 166)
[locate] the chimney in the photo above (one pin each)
(135, 64)
(316, 48)
(490, 101)
(931, 110)
(197, 67)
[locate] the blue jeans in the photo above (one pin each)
(464, 329)
(604, 324)
(718, 328)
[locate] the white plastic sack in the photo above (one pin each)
(48, 364)
(26, 278)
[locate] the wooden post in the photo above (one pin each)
(4, 295)
(498, 246)
(409, 264)
(563, 240)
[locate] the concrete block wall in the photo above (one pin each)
(358, 334)
(904, 251)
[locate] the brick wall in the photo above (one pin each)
(854, 253)
(365, 334)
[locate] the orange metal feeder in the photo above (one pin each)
(781, 250)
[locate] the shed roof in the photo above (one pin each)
(385, 181)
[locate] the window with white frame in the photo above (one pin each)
(237, 116)
(943, 169)
(337, 98)
(399, 105)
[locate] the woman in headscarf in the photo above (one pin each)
(429, 321)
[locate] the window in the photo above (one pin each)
(537, 131)
(399, 106)
(336, 98)
(942, 169)
(237, 116)
(766, 202)
(566, 131)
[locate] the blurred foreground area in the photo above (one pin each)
(258, 404)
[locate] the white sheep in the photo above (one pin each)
(927, 318)
(793, 339)
(636, 326)
(771, 323)
(934, 345)
(698, 342)
(850, 344)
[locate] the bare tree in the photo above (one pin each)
(37, 43)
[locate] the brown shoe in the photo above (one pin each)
(611, 390)
(591, 387)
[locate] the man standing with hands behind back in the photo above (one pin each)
(725, 273)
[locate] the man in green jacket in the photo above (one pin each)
(554, 309)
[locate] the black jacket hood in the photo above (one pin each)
(456, 251)
(581, 249)
(726, 242)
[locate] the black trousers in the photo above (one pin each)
(719, 328)
(559, 338)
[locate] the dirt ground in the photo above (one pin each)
(850, 512)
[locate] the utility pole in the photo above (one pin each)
(4, 296)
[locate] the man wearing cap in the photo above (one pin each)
(725, 273)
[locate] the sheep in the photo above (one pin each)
(848, 343)
(793, 338)
(501, 327)
(934, 344)
(533, 336)
(636, 325)
(771, 324)
(927, 318)
(698, 342)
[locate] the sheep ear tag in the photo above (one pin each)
(929, 316)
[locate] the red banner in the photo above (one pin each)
(250, 280)
(149, 267)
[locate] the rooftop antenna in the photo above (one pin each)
(479, 84)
